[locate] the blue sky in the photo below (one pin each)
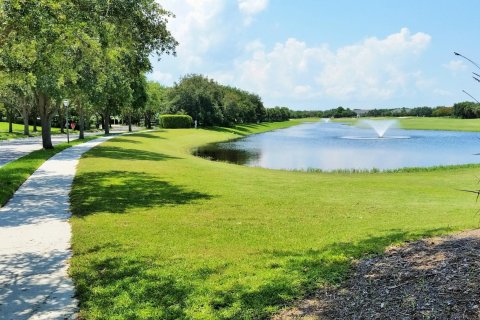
(316, 54)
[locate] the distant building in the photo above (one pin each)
(401, 111)
(360, 112)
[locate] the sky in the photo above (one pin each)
(318, 54)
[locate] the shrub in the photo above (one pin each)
(175, 121)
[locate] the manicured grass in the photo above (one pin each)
(18, 131)
(422, 123)
(14, 174)
(161, 234)
(441, 124)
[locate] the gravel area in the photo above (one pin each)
(435, 278)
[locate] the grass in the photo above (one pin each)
(18, 131)
(422, 123)
(14, 174)
(161, 234)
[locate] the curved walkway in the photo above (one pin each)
(35, 242)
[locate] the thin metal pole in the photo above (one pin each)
(473, 62)
(68, 127)
(470, 96)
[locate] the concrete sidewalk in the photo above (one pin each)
(35, 242)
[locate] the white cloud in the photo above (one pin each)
(372, 69)
(442, 92)
(455, 66)
(162, 77)
(250, 8)
(197, 27)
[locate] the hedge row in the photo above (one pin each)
(175, 121)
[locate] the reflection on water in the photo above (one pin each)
(320, 146)
(222, 152)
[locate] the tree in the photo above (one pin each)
(466, 110)
(212, 104)
(2, 111)
(156, 100)
(129, 32)
(198, 96)
(53, 41)
(37, 39)
(442, 111)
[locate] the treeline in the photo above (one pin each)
(466, 110)
(213, 104)
(439, 111)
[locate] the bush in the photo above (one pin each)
(175, 121)
(443, 112)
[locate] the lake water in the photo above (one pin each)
(333, 146)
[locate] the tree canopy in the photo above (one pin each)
(211, 103)
(93, 50)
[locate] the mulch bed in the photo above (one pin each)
(435, 278)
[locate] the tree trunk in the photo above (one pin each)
(129, 123)
(148, 123)
(35, 115)
(10, 115)
(26, 125)
(46, 133)
(106, 123)
(45, 120)
(81, 121)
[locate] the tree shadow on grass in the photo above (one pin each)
(235, 130)
(123, 287)
(241, 129)
(119, 191)
(119, 153)
(124, 140)
(148, 135)
(300, 274)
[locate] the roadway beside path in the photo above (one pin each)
(11, 150)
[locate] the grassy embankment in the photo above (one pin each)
(18, 131)
(161, 234)
(421, 123)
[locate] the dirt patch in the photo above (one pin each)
(435, 278)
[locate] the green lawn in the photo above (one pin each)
(420, 123)
(18, 131)
(161, 234)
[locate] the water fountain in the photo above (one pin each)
(326, 120)
(380, 127)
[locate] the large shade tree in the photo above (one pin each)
(129, 32)
(40, 39)
(157, 101)
(211, 103)
(56, 43)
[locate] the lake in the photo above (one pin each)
(336, 146)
